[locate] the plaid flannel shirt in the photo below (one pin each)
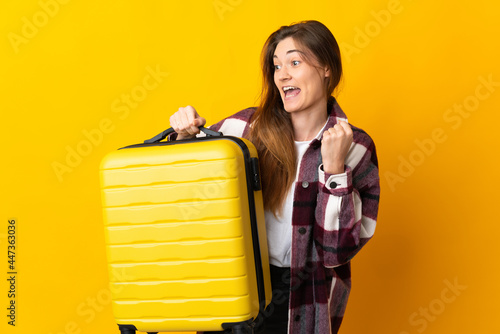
(333, 218)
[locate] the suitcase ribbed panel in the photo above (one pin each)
(171, 173)
(178, 235)
(172, 192)
(176, 270)
(172, 289)
(174, 231)
(205, 210)
(183, 308)
(177, 251)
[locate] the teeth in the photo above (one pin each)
(288, 88)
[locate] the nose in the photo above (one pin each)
(283, 74)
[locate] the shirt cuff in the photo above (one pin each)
(337, 184)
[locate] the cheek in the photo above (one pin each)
(275, 80)
(317, 84)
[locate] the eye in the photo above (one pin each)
(277, 67)
(295, 63)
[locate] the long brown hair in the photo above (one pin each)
(272, 130)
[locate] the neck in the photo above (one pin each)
(307, 123)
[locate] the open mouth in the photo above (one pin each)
(291, 91)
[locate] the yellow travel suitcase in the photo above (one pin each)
(185, 234)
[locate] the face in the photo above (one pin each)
(302, 85)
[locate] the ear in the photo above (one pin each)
(327, 72)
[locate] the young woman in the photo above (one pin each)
(319, 177)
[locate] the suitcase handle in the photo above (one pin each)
(159, 137)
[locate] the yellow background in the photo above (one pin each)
(406, 64)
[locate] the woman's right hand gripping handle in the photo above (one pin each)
(186, 122)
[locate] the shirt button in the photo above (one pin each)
(297, 318)
(333, 185)
(302, 230)
(305, 184)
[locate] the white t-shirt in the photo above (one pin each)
(279, 229)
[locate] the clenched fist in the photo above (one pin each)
(334, 147)
(186, 122)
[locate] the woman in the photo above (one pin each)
(319, 178)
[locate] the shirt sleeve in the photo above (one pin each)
(347, 207)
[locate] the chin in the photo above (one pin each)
(291, 108)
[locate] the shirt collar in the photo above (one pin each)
(335, 113)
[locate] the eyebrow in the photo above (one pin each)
(291, 51)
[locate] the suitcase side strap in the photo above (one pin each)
(253, 182)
